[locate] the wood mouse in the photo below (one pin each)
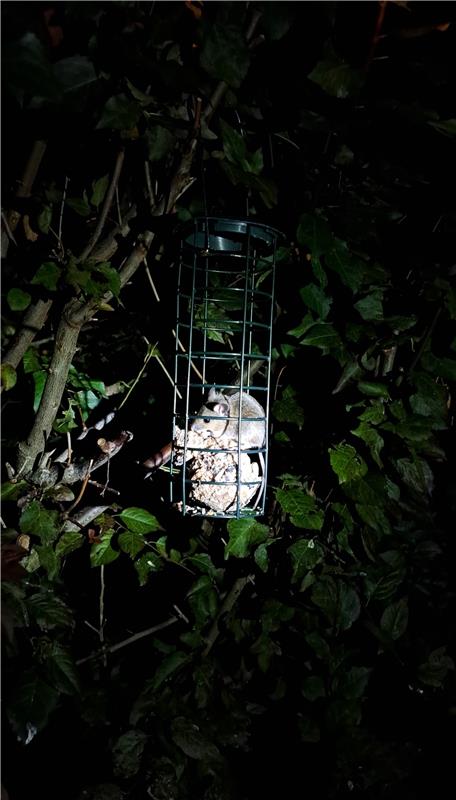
(226, 408)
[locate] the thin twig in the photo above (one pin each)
(119, 213)
(101, 617)
(194, 367)
(130, 640)
(62, 205)
(225, 608)
(106, 206)
(151, 281)
(150, 191)
(83, 488)
(425, 339)
(8, 229)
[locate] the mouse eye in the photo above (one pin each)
(206, 421)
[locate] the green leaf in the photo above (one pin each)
(302, 508)
(61, 671)
(244, 535)
(350, 268)
(288, 408)
(18, 300)
(99, 188)
(127, 753)
(147, 563)
(416, 474)
(276, 19)
(119, 113)
(436, 667)
(45, 218)
(372, 438)
(131, 542)
(48, 560)
(191, 741)
(315, 299)
(102, 552)
(261, 556)
(338, 601)
(139, 520)
(110, 278)
(303, 327)
(394, 619)
(49, 611)
(305, 555)
(9, 377)
(39, 382)
(47, 275)
(168, 667)
(372, 389)
(375, 517)
(80, 205)
(447, 127)
(347, 463)
(31, 702)
(203, 600)
(225, 54)
(38, 521)
(337, 78)
(234, 145)
(442, 367)
(74, 72)
(314, 233)
(29, 69)
(159, 142)
(353, 682)
(322, 335)
(68, 542)
(313, 688)
(370, 307)
(12, 491)
(430, 399)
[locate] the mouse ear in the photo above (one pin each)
(221, 409)
(213, 395)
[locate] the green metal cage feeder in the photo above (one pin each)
(222, 368)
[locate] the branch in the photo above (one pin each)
(106, 206)
(84, 518)
(130, 640)
(225, 608)
(25, 186)
(33, 322)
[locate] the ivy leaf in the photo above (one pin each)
(101, 552)
(159, 142)
(303, 326)
(18, 300)
(139, 520)
(45, 218)
(435, 669)
(314, 233)
(347, 463)
(234, 145)
(47, 275)
(372, 389)
(353, 682)
(80, 205)
(394, 619)
(349, 268)
(322, 335)
(225, 54)
(430, 399)
(127, 753)
(370, 307)
(276, 18)
(288, 408)
(119, 113)
(313, 688)
(30, 704)
(203, 600)
(244, 535)
(38, 521)
(416, 474)
(315, 299)
(372, 438)
(99, 188)
(337, 78)
(68, 542)
(338, 601)
(305, 555)
(261, 556)
(49, 611)
(302, 508)
(48, 560)
(61, 671)
(74, 72)
(146, 564)
(447, 127)
(442, 367)
(29, 69)
(12, 491)
(173, 662)
(188, 737)
(9, 377)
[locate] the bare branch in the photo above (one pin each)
(25, 187)
(106, 206)
(33, 322)
(130, 640)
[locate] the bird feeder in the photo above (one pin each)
(223, 347)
